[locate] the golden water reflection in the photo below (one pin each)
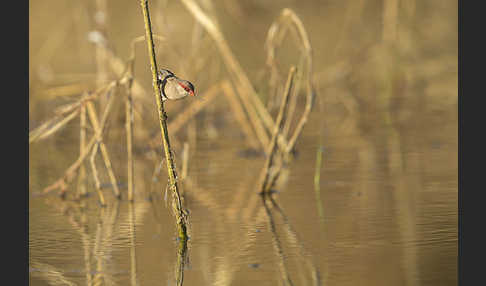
(385, 118)
(383, 224)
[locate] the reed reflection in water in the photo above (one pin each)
(384, 117)
(366, 227)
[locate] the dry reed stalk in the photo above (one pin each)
(99, 133)
(289, 20)
(241, 117)
(272, 148)
(66, 90)
(277, 31)
(81, 188)
(293, 98)
(69, 174)
(129, 131)
(239, 77)
(275, 174)
(71, 171)
(60, 118)
(49, 127)
(302, 122)
(95, 174)
(177, 208)
(291, 113)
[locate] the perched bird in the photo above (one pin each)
(172, 87)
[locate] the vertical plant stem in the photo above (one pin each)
(180, 262)
(176, 202)
(128, 126)
(317, 182)
(303, 119)
(272, 148)
(72, 170)
(293, 100)
(129, 120)
(82, 147)
(104, 150)
(95, 175)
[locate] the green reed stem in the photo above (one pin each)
(176, 203)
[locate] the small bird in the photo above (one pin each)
(172, 87)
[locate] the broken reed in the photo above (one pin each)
(176, 199)
(267, 181)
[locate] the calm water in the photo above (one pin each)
(389, 218)
(387, 128)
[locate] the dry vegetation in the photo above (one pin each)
(249, 111)
(367, 84)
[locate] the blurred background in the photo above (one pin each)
(379, 209)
